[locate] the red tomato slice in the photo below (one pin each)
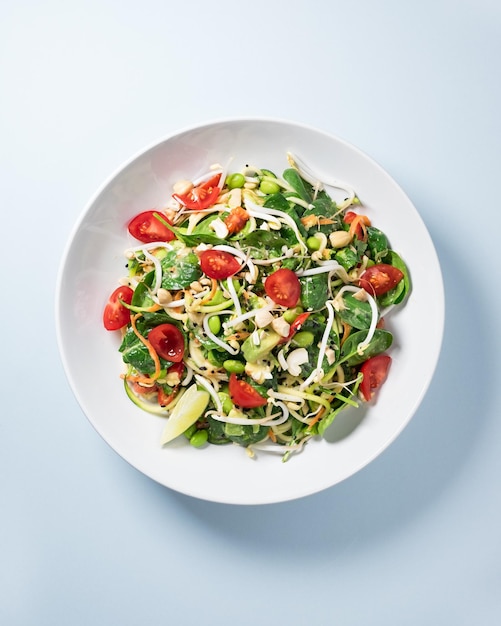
(202, 196)
(218, 264)
(164, 398)
(295, 326)
(142, 389)
(177, 368)
(357, 222)
(243, 394)
(115, 314)
(147, 228)
(375, 371)
(168, 342)
(283, 287)
(349, 217)
(378, 279)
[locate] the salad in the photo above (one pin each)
(253, 308)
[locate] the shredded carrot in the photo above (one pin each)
(178, 296)
(317, 417)
(212, 293)
(359, 221)
(323, 221)
(243, 334)
(346, 332)
(309, 221)
(152, 308)
(151, 350)
(272, 435)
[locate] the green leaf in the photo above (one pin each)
(356, 313)
(378, 244)
(276, 201)
(323, 207)
(141, 297)
(245, 434)
(135, 353)
(264, 239)
(179, 271)
(398, 293)
(347, 257)
(303, 189)
(194, 239)
(379, 343)
(314, 291)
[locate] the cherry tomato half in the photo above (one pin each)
(202, 196)
(164, 398)
(147, 228)
(168, 342)
(295, 326)
(283, 287)
(218, 264)
(357, 223)
(378, 279)
(243, 394)
(375, 371)
(115, 314)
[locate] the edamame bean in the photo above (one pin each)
(313, 243)
(235, 181)
(233, 366)
(268, 187)
(214, 324)
(227, 403)
(199, 438)
(189, 432)
(303, 338)
(291, 314)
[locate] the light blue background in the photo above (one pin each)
(412, 539)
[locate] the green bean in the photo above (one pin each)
(199, 438)
(214, 324)
(235, 181)
(303, 338)
(233, 366)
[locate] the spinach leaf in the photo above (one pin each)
(347, 257)
(356, 313)
(276, 201)
(245, 434)
(135, 353)
(379, 343)
(314, 291)
(398, 293)
(303, 189)
(179, 272)
(215, 431)
(141, 297)
(203, 227)
(378, 244)
(322, 206)
(270, 239)
(193, 239)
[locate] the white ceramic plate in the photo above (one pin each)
(93, 263)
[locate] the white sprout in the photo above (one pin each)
(215, 338)
(312, 178)
(205, 383)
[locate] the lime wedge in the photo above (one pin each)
(186, 412)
